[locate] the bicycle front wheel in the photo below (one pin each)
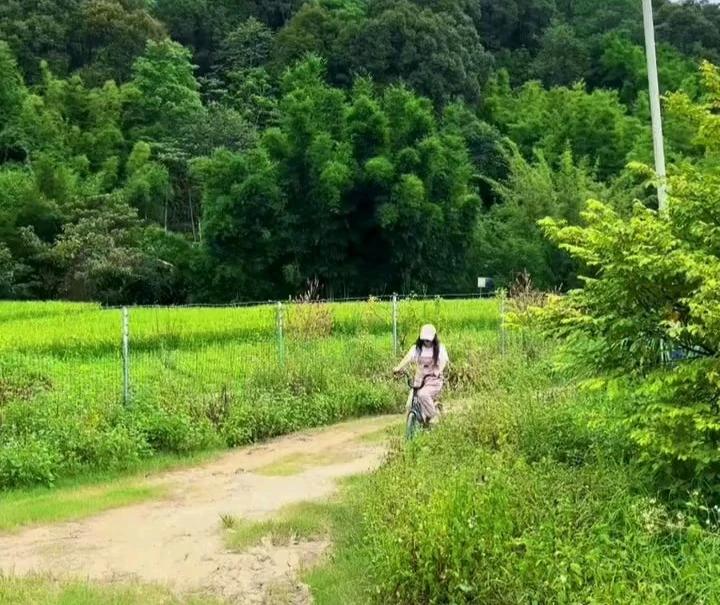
(412, 425)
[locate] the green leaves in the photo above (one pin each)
(563, 57)
(373, 113)
(433, 49)
(595, 125)
(148, 186)
(651, 310)
(12, 89)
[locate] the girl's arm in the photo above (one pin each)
(443, 360)
(405, 360)
(441, 366)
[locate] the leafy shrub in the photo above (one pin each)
(260, 415)
(498, 530)
(571, 433)
(652, 311)
(80, 448)
(172, 428)
(26, 462)
(24, 387)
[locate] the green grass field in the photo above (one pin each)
(201, 378)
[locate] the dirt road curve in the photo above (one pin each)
(177, 541)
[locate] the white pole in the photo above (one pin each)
(126, 355)
(655, 113)
(395, 326)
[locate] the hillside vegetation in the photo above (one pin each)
(224, 150)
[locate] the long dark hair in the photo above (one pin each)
(435, 345)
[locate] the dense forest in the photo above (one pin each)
(158, 151)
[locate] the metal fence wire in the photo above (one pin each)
(232, 348)
(60, 353)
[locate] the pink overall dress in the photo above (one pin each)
(426, 367)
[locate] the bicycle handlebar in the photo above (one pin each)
(411, 382)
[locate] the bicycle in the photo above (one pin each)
(414, 419)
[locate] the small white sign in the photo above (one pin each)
(482, 282)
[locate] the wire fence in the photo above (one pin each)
(87, 356)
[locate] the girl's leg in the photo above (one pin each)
(426, 397)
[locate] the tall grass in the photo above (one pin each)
(71, 329)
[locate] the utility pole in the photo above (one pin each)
(658, 145)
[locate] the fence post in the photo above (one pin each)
(280, 334)
(126, 355)
(395, 324)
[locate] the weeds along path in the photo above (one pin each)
(178, 541)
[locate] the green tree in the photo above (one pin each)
(623, 66)
(435, 52)
(245, 47)
(22, 204)
(649, 311)
(508, 239)
(314, 29)
(692, 126)
(244, 223)
(109, 36)
(7, 273)
(593, 20)
(486, 146)
(239, 78)
(254, 95)
(101, 38)
(690, 28)
(86, 122)
(96, 254)
(204, 25)
(563, 58)
(163, 93)
(214, 127)
(40, 31)
(434, 48)
(148, 186)
(515, 23)
(362, 191)
(196, 24)
(13, 95)
(594, 124)
(275, 13)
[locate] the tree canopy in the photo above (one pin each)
(210, 150)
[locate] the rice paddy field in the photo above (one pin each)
(203, 378)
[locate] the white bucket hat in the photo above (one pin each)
(428, 332)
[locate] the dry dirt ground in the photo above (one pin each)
(177, 541)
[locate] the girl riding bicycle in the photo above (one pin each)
(430, 357)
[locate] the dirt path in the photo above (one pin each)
(177, 541)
